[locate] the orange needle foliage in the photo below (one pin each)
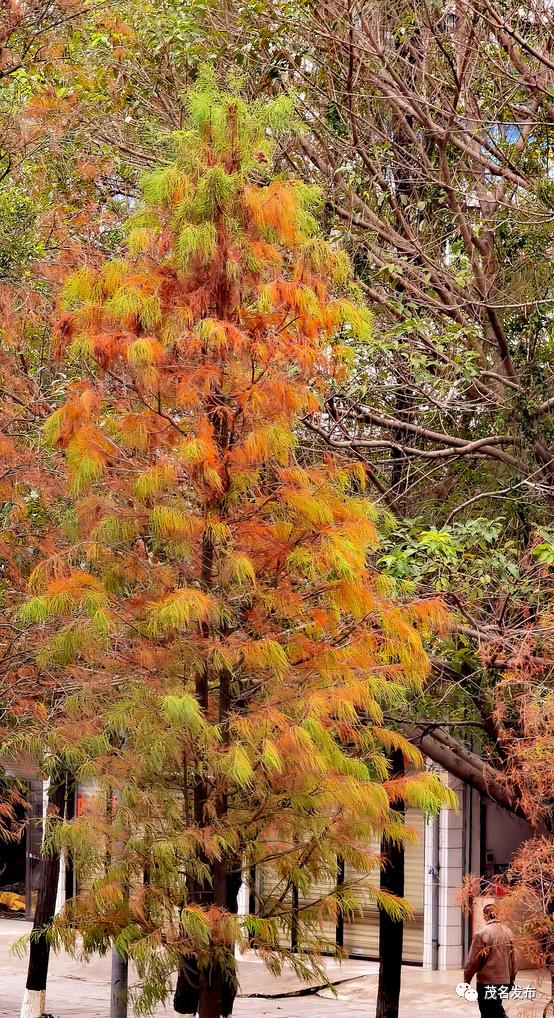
(233, 645)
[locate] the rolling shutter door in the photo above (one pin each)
(361, 937)
(270, 887)
(327, 928)
(270, 890)
(414, 885)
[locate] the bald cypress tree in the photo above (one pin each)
(217, 605)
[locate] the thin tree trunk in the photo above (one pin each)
(34, 999)
(212, 993)
(119, 985)
(484, 779)
(185, 1001)
(229, 987)
(213, 990)
(391, 931)
(549, 1006)
(211, 986)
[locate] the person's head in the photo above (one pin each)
(490, 912)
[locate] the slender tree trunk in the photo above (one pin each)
(549, 1006)
(34, 999)
(391, 931)
(339, 928)
(229, 987)
(218, 984)
(187, 991)
(119, 985)
(212, 992)
(211, 987)
(185, 1001)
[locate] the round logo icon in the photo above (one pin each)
(466, 991)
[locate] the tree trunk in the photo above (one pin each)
(211, 988)
(218, 987)
(549, 1006)
(456, 761)
(185, 1001)
(119, 985)
(217, 993)
(391, 931)
(34, 999)
(211, 992)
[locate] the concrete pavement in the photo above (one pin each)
(427, 994)
(79, 990)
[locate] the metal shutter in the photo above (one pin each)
(361, 937)
(269, 889)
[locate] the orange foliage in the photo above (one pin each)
(234, 612)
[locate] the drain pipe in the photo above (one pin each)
(434, 872)
(466, 860)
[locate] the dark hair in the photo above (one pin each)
(491, 910)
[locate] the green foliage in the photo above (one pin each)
(214, 193)
(238, 569)
(196, 242)
(86, 467)
(168, 522)
(79, 289)
(35, 610)
(179, 611)
(195, 927)
(183, 711)
(158, 187)
(113, 529)
(20, 240)
(544, 552)
(476, 556)
(125, 304)
(255, 126)
(153, 482)
(64, 648)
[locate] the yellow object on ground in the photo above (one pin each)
(15, 902)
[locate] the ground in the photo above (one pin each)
(76, 990)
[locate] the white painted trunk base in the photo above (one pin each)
(34, 1003)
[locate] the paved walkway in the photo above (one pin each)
(83, 991)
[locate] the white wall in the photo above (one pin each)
(505, 833)
(449, 878)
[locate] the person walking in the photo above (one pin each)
(492, 957)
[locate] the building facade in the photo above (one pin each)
(478, 838)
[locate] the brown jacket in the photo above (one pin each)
(492, 956)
